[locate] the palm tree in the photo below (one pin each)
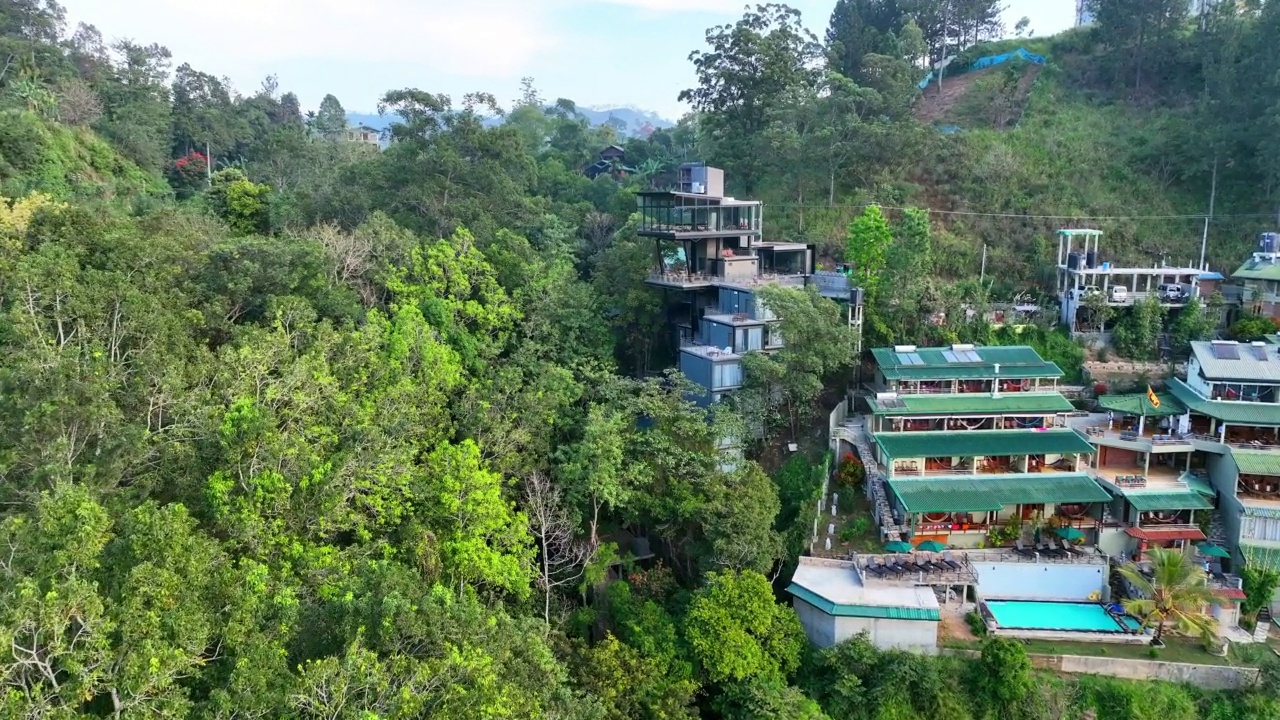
(1177, 592)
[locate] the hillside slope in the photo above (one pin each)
(66, 162)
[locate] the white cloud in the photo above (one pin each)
(475, 38)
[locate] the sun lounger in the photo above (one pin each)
(1021, 549)
(871, 567)
(950, 561)
(892, 565)
(1059, 551)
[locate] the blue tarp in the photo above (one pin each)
(989, 61)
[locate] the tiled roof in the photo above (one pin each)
(1159, 534)
(863, 611)
(1232, 411)
(986, 493)
(1185, 500)
(981, 443)
(1138, 404)
(978, 404)
(1231, 594)
(1245, 366)
(1257, 462)
(1255, 269)
(1015, 361)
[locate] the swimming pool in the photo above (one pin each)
(1066, 616)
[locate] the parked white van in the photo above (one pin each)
(1119, 293)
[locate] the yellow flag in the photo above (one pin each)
(1151, 398)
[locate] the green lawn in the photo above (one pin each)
(1179, 650)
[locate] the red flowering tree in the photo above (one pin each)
(188, 174)
(850, 473)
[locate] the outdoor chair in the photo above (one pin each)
(871, 568)
(933, 563)
(1215, 569)
(950, 561)
(1021, 549)
(915, 564)
(892, 565)
(1060, 550)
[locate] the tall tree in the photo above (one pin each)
(1177, 593)
(863, 27)
(330, 121)
(1139, 31)
(752, 65)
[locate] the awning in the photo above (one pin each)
(1162, 534)
(988, 493)
(1176, 500)
(1211, 550)
(982, 443)
(1138, 404)
(976, 404)
(1200, 485)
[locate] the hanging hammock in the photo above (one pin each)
(975, 424)
(1028, 422)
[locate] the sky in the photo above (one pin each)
(597, 53)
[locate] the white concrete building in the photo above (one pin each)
(834, 605)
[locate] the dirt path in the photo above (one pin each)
(934, 105)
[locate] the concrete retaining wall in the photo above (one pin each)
(1213, 677)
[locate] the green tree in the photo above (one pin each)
(330, 119)
(1136, 334)
(1251, 327)
(1178, 593)
(243, 204)
(1139, 31)
(632, 684)
(1194, 322)
(752, 65)
(1005, 674)
(1261, 579)
(737, 632)
(866, 248)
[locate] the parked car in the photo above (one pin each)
(1119, 293)
(1086, 291)
(1172, 292)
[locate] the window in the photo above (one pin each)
(749, 339)
(726, 375)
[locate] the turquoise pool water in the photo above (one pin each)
(1077, 617)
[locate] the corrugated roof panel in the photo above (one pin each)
(1257, 462)
(863, 611)
(1243, 413)
(1016, 362)
(986, 493)
(1231, 361)
(1138, 404)
(975, 403)
(981, 443)
(1187, 500)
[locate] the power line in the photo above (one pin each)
(1200, 216)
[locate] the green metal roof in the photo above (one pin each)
(1138, 404)
(981, 443)
(1200, 485)
(978, 404)
(863, 611)
(1231, 411)
(1016, 362)
(1257, 270)
(1173, 500)
(993, 492)
(1257, 462)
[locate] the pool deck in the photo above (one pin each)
(1116, 638)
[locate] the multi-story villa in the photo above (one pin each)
(709, 250)
(1213, 441)
(973, 441)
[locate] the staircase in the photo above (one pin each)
(853, 431)
(1217, 532)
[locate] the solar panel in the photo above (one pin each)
(1223, 351)
(1260, 353)
(971, 356)
(950, 356)
(909, 359)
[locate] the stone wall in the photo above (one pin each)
(1212, 677)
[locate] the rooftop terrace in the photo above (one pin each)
(908, 362)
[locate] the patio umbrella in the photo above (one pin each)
(1069, 534)
(931, 546)
(897, 546)
(1208, 548)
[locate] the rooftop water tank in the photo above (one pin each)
(1268, 242)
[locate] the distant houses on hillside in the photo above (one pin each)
(611, 161)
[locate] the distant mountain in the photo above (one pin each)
(632, 121)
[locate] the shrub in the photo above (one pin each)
(851, 473)
(976, 625)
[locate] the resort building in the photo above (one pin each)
(973, 445)
(1209, 443)
(710, 255)
(1259, 278)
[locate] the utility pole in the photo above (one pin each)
(1213, 196)
(982, 274)
(208, 165)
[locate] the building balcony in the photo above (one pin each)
(718, 277)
